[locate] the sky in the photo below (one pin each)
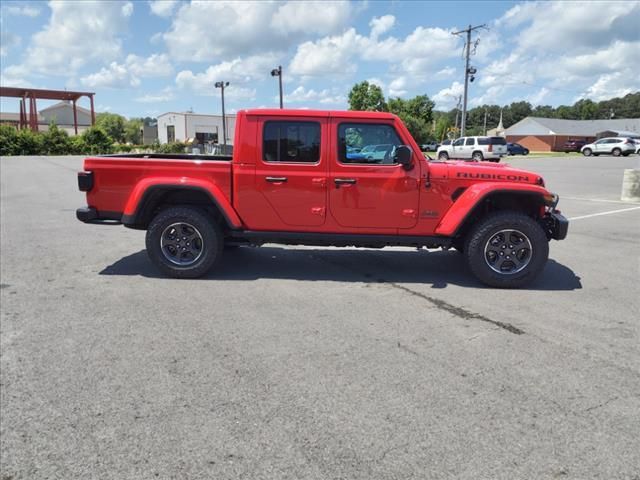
(144, 58)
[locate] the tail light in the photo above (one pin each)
(490, 148)
(85, 181)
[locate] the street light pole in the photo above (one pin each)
(277, 72)
(221, 86)
(468, 71)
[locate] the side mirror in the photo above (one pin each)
(403, 156)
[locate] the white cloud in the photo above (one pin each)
(398, 87)
(129, 73)
(326, 96)
(311, 17)
(446, 72)
(22, 10)
(339, 54)
(163, 8)
(163, 96)
(206, 31)
(238, 71)
(380, 25)
(127, 9)
(448, 97)
(610, 85)
(8, 40)
(77, 33)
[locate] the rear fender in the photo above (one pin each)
(475, 195)
(134, 204)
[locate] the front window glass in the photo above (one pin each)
(458, 142)
(376, 143)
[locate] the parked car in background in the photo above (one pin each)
(475, 148)
(573, 145)
(517, 149)
(615, 146)
(429, 147)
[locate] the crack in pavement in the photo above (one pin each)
(438, 303)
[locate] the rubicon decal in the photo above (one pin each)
(493, 176)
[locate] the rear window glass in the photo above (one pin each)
(295, 142)
(491, 141)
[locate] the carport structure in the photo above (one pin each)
(32, 94)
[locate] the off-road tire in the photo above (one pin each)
(443, 156)
(587, 152)
(616, 152)
(486, 229)
(212, 241)
(477, 156)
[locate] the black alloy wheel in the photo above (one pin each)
(184, 242)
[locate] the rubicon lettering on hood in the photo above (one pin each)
(494, 176)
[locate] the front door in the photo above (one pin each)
(457, 148)
(291, 172)
(370, 190)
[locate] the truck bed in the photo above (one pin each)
(171, 156)
(118, 180)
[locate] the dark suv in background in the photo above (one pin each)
(573, 145)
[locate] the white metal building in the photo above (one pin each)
(195, 128)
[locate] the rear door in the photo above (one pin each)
(291, 170)
(498, 145)
(371, 192)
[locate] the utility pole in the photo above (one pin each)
(221, 86)
(277, 72)
(458, 110)
(485, 123)
(467, 72)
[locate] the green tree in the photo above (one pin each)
(56, 141)
(112, 124)
(416, 113)
(97, 140)
(132, 130)
(366, 96)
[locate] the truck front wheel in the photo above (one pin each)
(506, 249)
(183, 242)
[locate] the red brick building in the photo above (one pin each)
(550, 134)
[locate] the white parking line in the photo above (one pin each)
(598, 200)
(605, 213)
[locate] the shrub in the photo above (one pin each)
(8, 140)
(97, 141)
(29, 143)
(56, 141)
(175, 147)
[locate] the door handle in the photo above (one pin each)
(344, 181)
(275, 179)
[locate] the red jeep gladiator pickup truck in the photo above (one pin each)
(325, 178)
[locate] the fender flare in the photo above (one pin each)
(145, 187)
(475, 194)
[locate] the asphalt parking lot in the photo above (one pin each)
(316, 363)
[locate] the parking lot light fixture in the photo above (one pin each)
(222, 86)
(277, 72)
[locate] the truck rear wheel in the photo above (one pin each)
(183, 242)
(506, 249)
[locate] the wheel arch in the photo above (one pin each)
(144, 205)
(474, 203)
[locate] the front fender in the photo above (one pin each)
(475, 194)
(217, 196)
